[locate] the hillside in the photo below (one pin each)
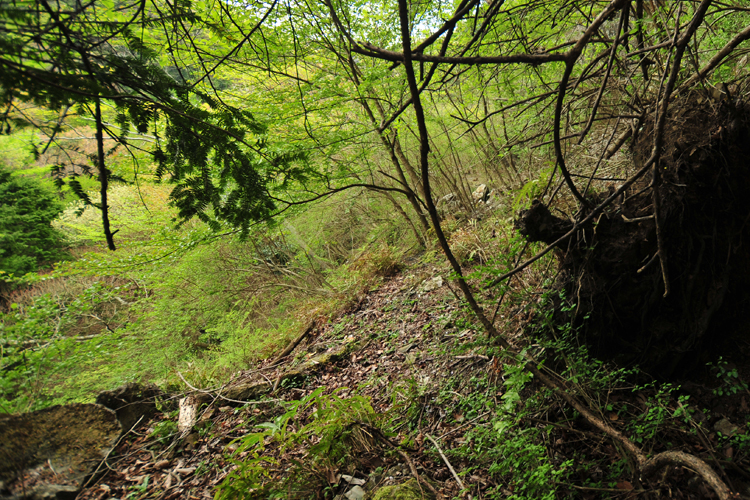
(409, 378)
(423, 249)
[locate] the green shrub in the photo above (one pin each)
(27, 238)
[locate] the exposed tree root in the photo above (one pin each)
(648, 467)
(644, 465)
(654, 464)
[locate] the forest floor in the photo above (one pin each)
(438, 387)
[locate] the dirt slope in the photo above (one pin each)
(409, 348)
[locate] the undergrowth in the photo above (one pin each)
(330, 429)
(173, 304)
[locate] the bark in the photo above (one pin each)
(103, 176)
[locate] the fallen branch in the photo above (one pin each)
(445, 459)
(382, 437)
(294, 343)
(414, 473)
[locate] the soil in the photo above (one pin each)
(611, 271)
(415, 358)
(411, 350)
(405, 341)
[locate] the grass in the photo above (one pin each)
(182, 303)
(15, 147)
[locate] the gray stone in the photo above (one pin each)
(431, 284)
(481, 193)
(447, 199)
(406, 348)
(725, 427)
(134, 403)
(353, 480)
(54, 492)
(246, 392)
(356, 493)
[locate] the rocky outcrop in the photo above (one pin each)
(51, 453)
(132, 402)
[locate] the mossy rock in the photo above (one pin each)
(410, 490)
(247, 391)
(252, 390)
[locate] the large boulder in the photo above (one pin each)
(51, 453)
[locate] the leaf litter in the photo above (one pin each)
(413, 361)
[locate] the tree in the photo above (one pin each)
(27, 238)
(83, 56)
(625, 89)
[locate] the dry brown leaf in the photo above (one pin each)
(624, 485)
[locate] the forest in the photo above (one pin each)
(345, 250)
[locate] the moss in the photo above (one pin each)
(410, 490)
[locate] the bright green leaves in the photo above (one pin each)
(220, 176)
(329, 423)
(216, 154)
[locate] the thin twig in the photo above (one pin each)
(104, 460)
(216, 395)
(294, 343)
(637, 219)
(382, 437)
(445, 459)
(464, 425)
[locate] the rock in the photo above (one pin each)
(57, 449)
(481, 193)
(374, 480)
(408, 347)
(725, 427)
(190, 442)
(246, 392)
(54, 492)
(410, 490)
(447, 199)
(493, 200)
(45, 492)
(356, 493)
(431, 284)
(132, 402)
(353, 480)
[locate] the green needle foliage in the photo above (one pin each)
(27, 239)
(84, 57)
